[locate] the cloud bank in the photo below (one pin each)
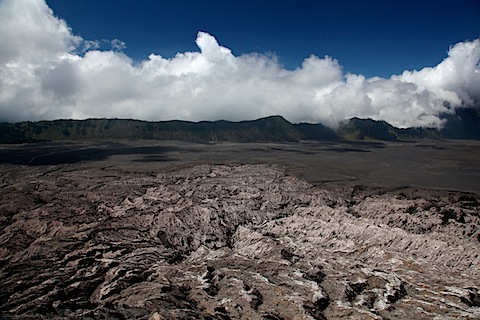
(47, 72)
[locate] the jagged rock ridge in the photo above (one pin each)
(231, 242)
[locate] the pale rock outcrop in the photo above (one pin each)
(232, 242)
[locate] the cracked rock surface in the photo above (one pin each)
(231, 242)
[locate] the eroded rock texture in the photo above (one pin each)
(231, 242)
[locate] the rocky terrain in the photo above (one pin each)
(231, 242)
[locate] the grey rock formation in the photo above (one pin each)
(231, 242)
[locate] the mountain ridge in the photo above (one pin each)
(463, 124)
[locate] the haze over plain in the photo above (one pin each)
(49, 71)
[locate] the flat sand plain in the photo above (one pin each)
(432, 164)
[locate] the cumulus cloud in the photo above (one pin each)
(46, 72)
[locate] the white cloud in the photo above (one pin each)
(118, 45)
(30, 33)
(46, 72)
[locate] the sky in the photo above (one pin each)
(405, 62)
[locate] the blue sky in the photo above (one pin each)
(367, 37)
(407, 63)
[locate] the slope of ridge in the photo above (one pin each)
(270, 129)
(462, 123)
(360, 129)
